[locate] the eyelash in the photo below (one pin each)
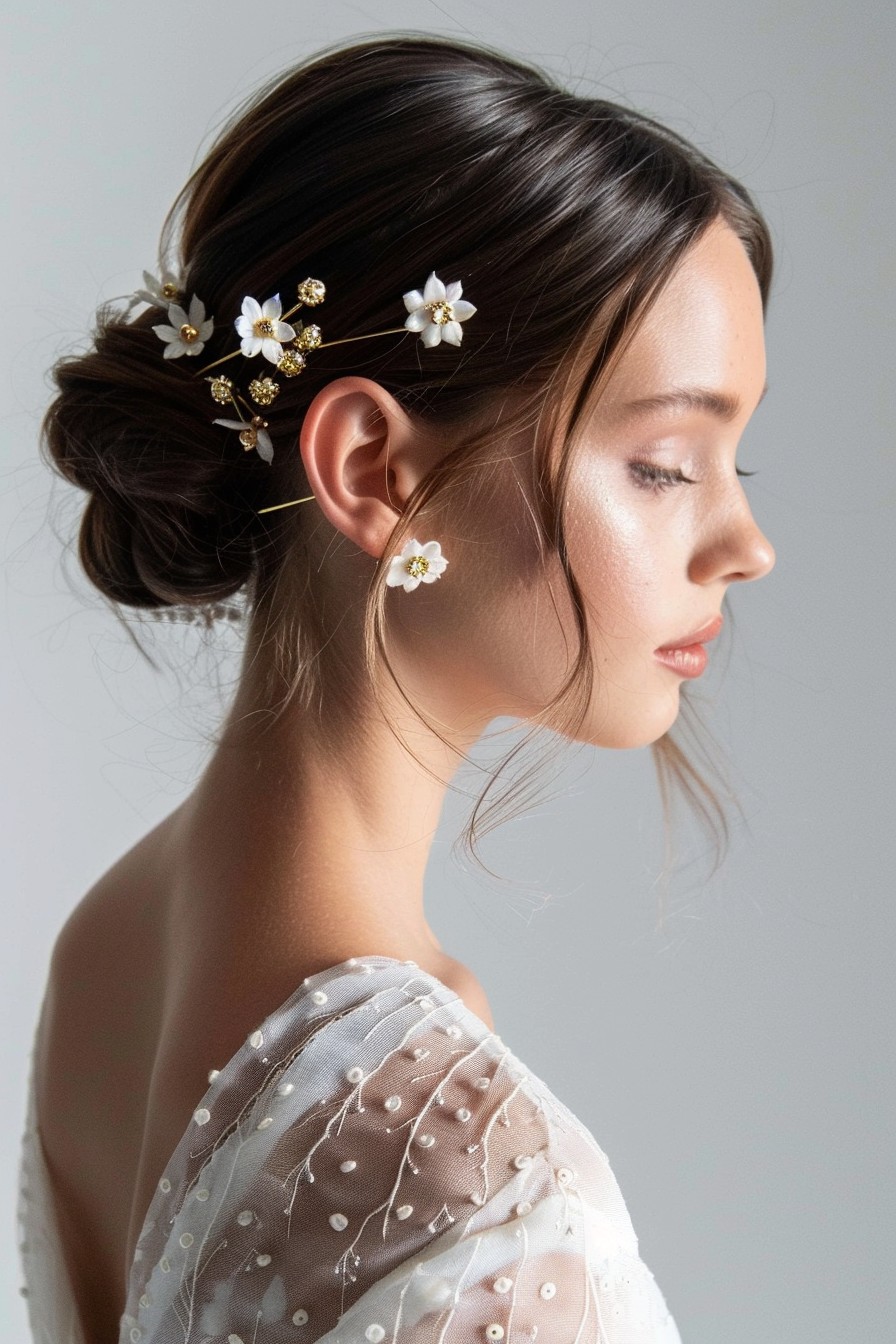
(657, 479)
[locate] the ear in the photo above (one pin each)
(363, 455)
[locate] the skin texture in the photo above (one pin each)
(286, 859)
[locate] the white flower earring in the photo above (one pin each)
(416, 564)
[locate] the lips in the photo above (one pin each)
(701, 636)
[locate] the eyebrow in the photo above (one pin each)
(723, 405)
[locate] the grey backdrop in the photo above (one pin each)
(735, 1060)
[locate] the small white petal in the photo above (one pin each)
(174, 350)
(176, 315)
(195, 348)
(452, 332)
(206, 330)
(411, 582)
(454, 291)
(413, 300)
(250, 346)
(251, 308)
(244, 326)
(272, 308)
(271, 349)
(264, 445)
(283, 331)
(167, 333)
(197, 312)
(418, 320)
(463, 310)
(150, 281)
(231, 424)
(432, 334)
(431, 549)
(434, 290)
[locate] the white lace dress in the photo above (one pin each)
(373, 1164)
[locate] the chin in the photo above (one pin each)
(636, 726)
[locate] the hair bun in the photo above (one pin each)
(166, 521)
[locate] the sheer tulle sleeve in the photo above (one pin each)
(397, 1176)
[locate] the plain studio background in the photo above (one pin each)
(734, 1058)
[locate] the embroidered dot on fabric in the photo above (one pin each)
(265, 1123)
(186, 1239)
(262, 1260)
(202, 1194)
(547, 1290)
(494, 1331)
(300, 1317)
(338, 1221)
(245, 1218)
(285, 1089)
(213, 1074)
(355, 1074)
(564, 1175)
(482, 1083)
(462, 1113)
(523, 1208)
(136, 1333)
(374, 1333)
(404, 1211)
(453, 1030)
(165, 1264)
(420, 1052)
(348, 1165)
(256, 1040)
(319, 997)
(521, 1161)
(503, 1285)
(425, 1140)
(164, 1185)
(202, 1115)
(392, 1103)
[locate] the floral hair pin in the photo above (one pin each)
(265, 330)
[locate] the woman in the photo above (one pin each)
(517, 497)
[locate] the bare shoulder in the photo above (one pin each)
(467, 987)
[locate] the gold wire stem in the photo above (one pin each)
(288, 505)
(366, 337)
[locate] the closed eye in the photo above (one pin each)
(648, 476)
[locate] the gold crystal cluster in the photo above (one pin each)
(264, 391)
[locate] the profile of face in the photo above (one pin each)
(653, 554)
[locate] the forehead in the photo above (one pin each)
(705, 329)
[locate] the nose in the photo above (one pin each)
(738, 550)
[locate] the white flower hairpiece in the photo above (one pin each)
(261, 330)
(159, 293)
(435, 315)
(438, 312)
(416, 564)
(188, 332)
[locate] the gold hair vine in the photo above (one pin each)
(264, 329)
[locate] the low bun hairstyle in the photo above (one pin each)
(367, 166)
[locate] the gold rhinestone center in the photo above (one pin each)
(188, 334)
(221, 389)
(170, 291)
(264, 327)
(418, 565)
(249, 439)
(440, 312)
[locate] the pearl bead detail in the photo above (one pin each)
(202, 1115)
(355, 1075)
(425, 1140)
(494, 1331)
(265, 1123)
(300, 1317)
(164, 1185)
(338, 1221)
(374, 1333)
(245, 1218)
(522, 1161)
(523, 1208)
(186, 1239)
(462, 1113)
(404, 1211)
(284, 1089)
(564, 1175)
(319, 996)
(202, 1194)
(213, 1074)
(483, 1083)
(392, 1103)
(502, 1285)
(547, 1290)
(348, 1165)
(453, 1030)
(256, 1040)
(262, 1260)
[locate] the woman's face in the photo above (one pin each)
(653, 560)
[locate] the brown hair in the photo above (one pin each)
(365, 166)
